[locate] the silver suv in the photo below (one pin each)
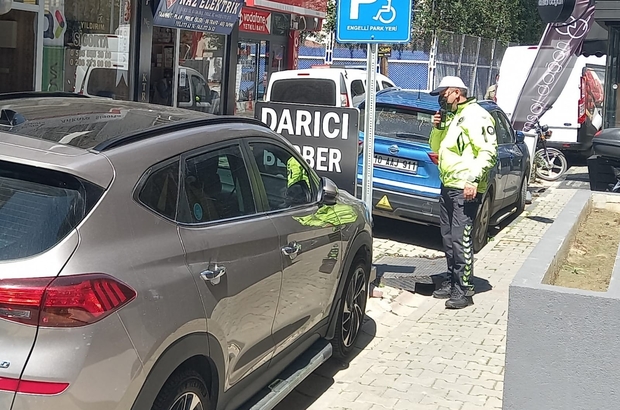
(157, 258)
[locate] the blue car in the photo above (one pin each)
(406, 183)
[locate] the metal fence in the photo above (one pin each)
(421, 65)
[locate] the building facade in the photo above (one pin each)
(208, 55)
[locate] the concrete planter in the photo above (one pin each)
(563, 344)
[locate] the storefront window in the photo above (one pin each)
(256, 61)
(18, 44)
(252, 65)
(199, 66)
(86, 47)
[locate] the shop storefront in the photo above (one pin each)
(212, 56)
(604, 38)
(76, 45)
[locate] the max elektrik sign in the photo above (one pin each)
(326, 137)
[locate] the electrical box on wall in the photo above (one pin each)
(8, 39)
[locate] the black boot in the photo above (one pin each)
(444, 291)
(459, 299)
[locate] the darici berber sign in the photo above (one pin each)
(326, 137)
(555, 11)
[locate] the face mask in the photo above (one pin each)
(443, 102)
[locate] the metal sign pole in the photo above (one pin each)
(175, 80)
(369, 124)
(372, 22)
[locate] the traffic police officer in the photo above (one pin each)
(464, 138)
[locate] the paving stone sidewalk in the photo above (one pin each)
(419, 356)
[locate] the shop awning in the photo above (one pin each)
(595, 43)
(307, 8)
(210, 16)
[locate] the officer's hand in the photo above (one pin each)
(470, 191)
(437, 119)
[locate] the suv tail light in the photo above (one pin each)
(360, 147)
(344, 100)
(434, 157)
(65, 301)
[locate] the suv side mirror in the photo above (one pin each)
(520, 137)
(329, 192)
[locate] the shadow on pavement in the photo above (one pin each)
(425, 236)
(581, 176)
(382, 268)
(495, 230)
(541, 219)
(407, 232)
(481, 285)
(322, 379)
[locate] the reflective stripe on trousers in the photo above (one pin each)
(457, 218)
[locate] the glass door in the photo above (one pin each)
(612, 82)
(200, 63)
(252, 65)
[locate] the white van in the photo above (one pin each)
(573, 122)
(194, 92)
(335, 87)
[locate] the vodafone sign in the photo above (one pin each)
(255, 21)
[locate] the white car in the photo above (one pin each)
(572, 131)
(335, 87)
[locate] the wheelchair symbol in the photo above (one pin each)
(387, 9)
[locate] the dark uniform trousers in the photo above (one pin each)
(457, 218)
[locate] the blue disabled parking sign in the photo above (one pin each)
(374, 21)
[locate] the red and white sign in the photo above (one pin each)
(309, 8)
(293, 50)
(255, 21)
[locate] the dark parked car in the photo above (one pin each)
(406, 178)
(158, 258)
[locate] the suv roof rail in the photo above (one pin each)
(38, 94)
(172, 127)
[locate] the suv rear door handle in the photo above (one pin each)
(291, 250)
(214, 276)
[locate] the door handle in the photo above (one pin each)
(214, 276)
(291, 250)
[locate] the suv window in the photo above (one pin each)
(401, 123)
(503, 129)
(387, 85)
(288, 181)
(38, 208)
(306, 90)
(216, 187)
(184, 94)
(357, 88)
(161, 189)
(201, 89)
